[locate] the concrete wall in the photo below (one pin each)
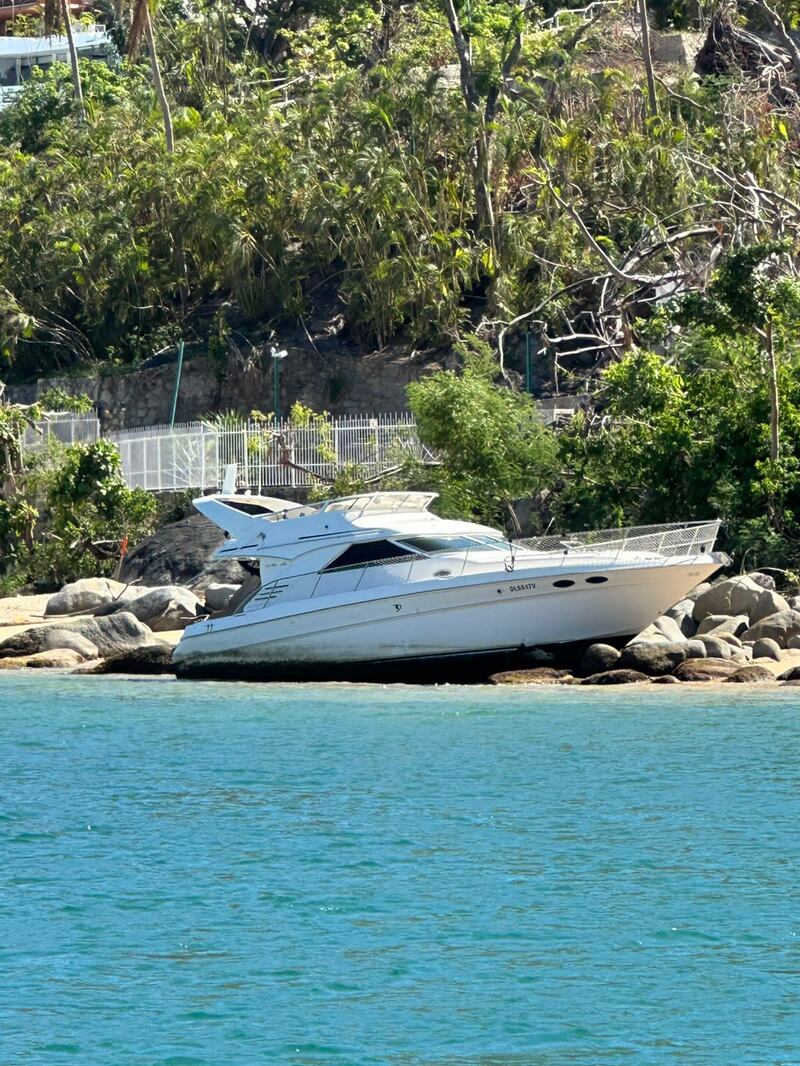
(340, 384)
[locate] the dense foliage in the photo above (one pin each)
(428, 172)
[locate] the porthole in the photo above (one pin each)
(563, 584)
(597, 579)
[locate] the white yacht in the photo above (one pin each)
(376, 586)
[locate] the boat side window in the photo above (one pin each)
(246, 507)
(432, 545)
(373, 551)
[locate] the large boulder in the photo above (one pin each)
(652, 659)
(714, 624)
(151, 659)
(766, 648)
(738, 595)
(750, 675)
(57, 659)
(792, 674)
(597, 658)
(664, 630)
(780, 627)
(616, 677)
(180, 554)
(716, 647)
(696, 649)
(218, 596)
(116, 633)
(84, 595)
(705, 670)
(55, 638)
(681, 614)
(166, 608)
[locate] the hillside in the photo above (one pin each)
(380, 186)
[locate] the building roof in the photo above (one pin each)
(32, 47)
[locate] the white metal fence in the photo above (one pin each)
(63, 426)
(267, 455)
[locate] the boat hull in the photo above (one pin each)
(442, 631)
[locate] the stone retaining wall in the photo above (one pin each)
(340, 384)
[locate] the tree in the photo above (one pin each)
(142, 26)
(493, 446)
(483, 109)
(752, 293)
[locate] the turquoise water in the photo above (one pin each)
(196, 874)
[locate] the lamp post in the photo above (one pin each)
(277, 357)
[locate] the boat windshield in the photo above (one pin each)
(433, 545)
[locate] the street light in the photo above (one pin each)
(277, 357)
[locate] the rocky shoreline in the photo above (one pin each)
(739, 630)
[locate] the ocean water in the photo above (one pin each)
(200, 874)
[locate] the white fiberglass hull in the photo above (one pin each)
(387, 629)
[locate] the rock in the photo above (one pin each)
(749, 675)
(741, 657)
(116, 633)
(151, 659)
(698, 591)
(171, 607)
(57, 659)
(705, 670)
(780, 627)
(766, 648)
(83, 595)
(616, 677)
(793, 643)
(217, 596)
(696, 649)
(792, 674)
(729, 638)
(597, 658)
(121, 602)
(770, 603)
(666, 679)
(716, 648)
(766, 581)
(681, 614)
(180, 553)
(662, 629)
(714, 624)
(55, 638)
(652, 659)
(736, 596)
(540, 675)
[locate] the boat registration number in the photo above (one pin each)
(522, 588)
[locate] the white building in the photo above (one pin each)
(19, 55)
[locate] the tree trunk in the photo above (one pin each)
(158, 84)
(774, 397)
(648, 60)
(73, 59)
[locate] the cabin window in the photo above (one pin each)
(373, 551)
(598, 579)
(431, 545)
(246, 507)
(564, 583)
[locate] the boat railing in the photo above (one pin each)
(680, 539)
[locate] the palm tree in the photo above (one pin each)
(142, 25)
(53, 14)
